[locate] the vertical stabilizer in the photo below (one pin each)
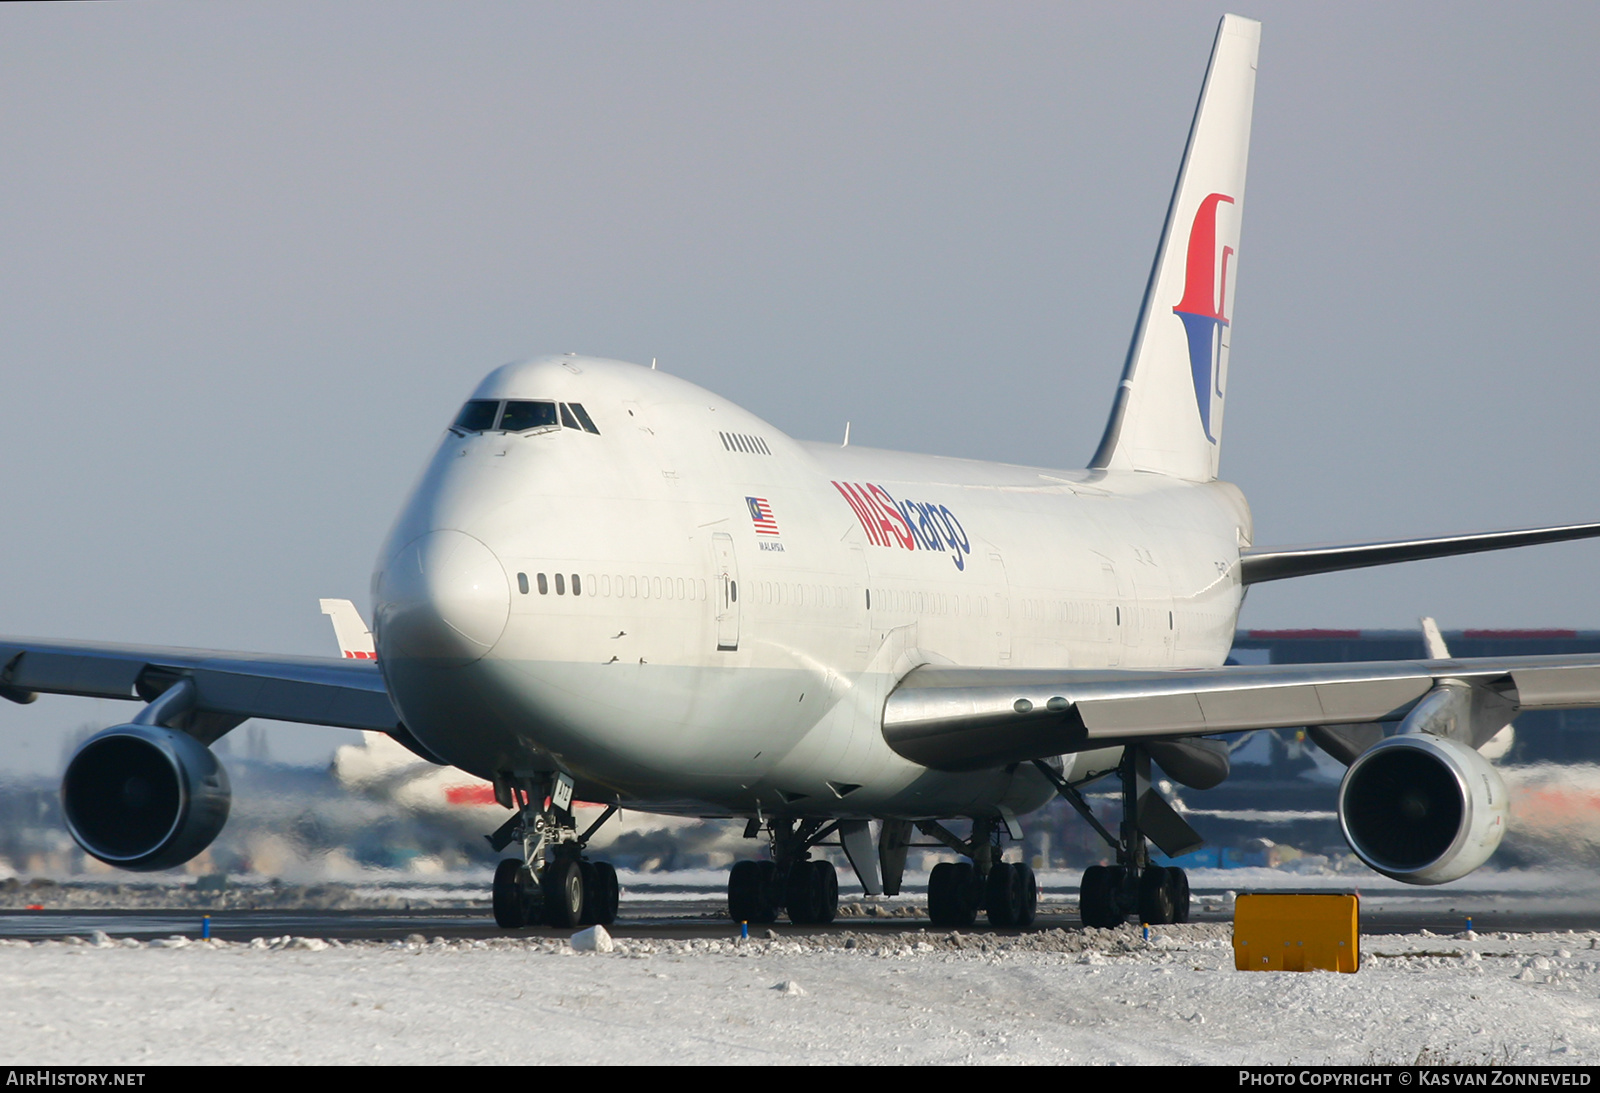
(1167, 418)
(355, 640)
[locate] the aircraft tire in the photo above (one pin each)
(511, 903)
(607, 893)
(564, 894)
(1156, 896)
(1002, 895)
(939, 895)
(1029, 908)
(746, 900)
(593, 897)
(769, 890)
(1179, 880)
(954, 892)
(797, 894)
(824, 892)
(1097, 897)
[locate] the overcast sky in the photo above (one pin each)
(255, 255)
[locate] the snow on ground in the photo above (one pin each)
(1056, 996)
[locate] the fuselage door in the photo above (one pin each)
(727, 584)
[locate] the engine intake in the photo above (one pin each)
(143, 797)
(1422, 809)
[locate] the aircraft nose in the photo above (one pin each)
(443, 598)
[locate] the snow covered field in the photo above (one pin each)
(1058, 996)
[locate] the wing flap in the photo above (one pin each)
(54, 672)
(1552, 687)
(971, 718)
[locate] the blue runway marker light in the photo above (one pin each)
(205, 926)
(744, 930)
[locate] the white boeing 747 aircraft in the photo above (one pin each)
(613, 586)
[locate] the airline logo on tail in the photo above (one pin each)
(1205, 294)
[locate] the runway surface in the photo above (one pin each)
(697, 909)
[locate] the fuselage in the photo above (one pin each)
(662, 594)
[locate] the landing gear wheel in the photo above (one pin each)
(1179, 881)
(746, 892)
(1002, 895)
(824, 891)
(513, 909)
(812, 895)
(1029, 909)
(953, 894)
(1097, 897)
(564, 894)
(1156, 896)
(769, 889)
(797, 894)
(606, 894)
(591, 894)
(939, 895)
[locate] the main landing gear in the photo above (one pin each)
(1006, 892)
(808, 889)
(1109, 893)
(758, 891)
(552, 883)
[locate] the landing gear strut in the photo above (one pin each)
(792, 881)
(552, 883)
(1109, 893)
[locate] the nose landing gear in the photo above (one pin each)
(553, 883)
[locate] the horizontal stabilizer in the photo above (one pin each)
(1266, 564)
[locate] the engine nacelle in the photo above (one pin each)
(144, 797)
(1422, 809)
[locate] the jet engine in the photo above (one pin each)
(144, 797)
(1422, 809)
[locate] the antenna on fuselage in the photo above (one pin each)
(652, 364)
(846, 443)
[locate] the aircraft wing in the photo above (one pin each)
(1259, 564)
(972, 718)
(228, 687)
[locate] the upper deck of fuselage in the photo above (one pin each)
(616, 451)
(684, 416)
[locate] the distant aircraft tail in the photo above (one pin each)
(1167, 418)
(355, 640)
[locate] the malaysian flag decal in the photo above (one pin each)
(761, 516)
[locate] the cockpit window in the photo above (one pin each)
(482, 415)
(521, 416)
(583, 416)
(477, 416)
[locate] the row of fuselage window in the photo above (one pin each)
(781, 593)
(677, 588)
(793, 594)
(644, 588)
